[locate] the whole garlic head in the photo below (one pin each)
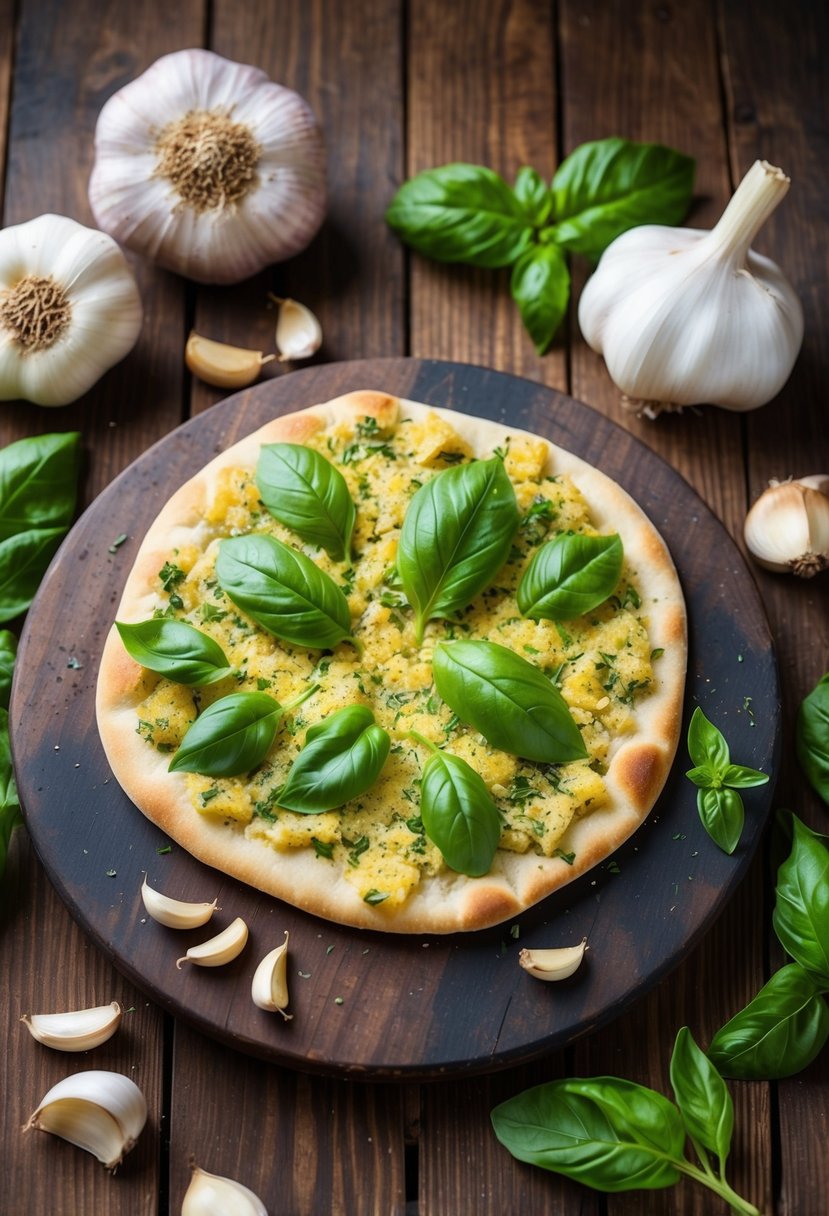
(208, 167)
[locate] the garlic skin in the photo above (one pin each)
(69, 309)
(208, 168)
(269, 989)
(552, 965)
(78, 1030)
(221, 949)
(684, 316)
(212, 1195)
(101, 1112)
(787, 529)
(298, 332)
(175, 913)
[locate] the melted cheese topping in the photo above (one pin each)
(600, 662)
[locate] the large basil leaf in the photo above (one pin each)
(307, 494)
(540, 286)
(176, 650)
(10, 815)
(461, 213)
(801, 910)
(512, 703)
(38, 483)
(231, 736)
(283, 591)
(23, 562)
(569, 576)
(341, 759)
(456, 535)
(458, 814)
(812, 737)
(723, 815)
(701, 1094)
(8, 654)
(607, 1133)
(608, 186)
(777, 1034)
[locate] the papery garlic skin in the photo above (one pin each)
(212, 1195)
(247, 155)
(687, 317)
(101, 1112)
(69, 309)
(78, 1030)
(787, 529)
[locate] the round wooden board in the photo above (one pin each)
(366, 1004)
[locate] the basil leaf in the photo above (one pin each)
(176, 650)
(738, 777)
(23, 562)
(513, 704)
(38, 483)
(231, 736)
(704, 776)
(456, 535)
(534, 195)
(8, 654)
(610, 185)
(707, 745)
(723, 815)
(307, 494)
(540, 286)
(801, 910)
(10, 815)
(701, 1094)
(283, 591)
(341, 759)
(569, 576)
(458, 814)
(461, 213)
(607, 1133)
(777, 1034)
(812, 737)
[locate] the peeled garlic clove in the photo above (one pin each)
(787, 529)
(221, 365)
(78, 1030)
(175, 913)
(100, 1112)
(220, 949)
(298, 332)
(553, 964)
(269, 989)
(212, 1195)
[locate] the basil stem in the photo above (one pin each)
(456, 535)
(307, 494)
(812, 737)
(458, 813)
(569, 576)
(176, 650)
(801, 910)
(720, 807)
(342, 758)
(284, 592)
(233, 735)
(513, 704)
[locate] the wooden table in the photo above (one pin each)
(400, 88)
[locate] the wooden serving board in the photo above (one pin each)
(367, 1004)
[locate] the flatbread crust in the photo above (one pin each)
(447, 902)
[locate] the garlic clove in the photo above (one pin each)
(78, 1030)
(175, 913)
(269, 989)
(222, 365)
(101, 1112)
(298, 332)
(553, 965)
(212, 1195)
(787, 529)
(221, 949)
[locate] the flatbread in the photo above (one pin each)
(636, 760)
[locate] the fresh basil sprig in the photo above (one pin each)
(342, 758)
(458, 813)
(308, 494)
(456, 535)
(233, 735)
(812, 737)
(176, 650)
(468, 213)
(283, 591)
(511, 702)
(720, 806)
(569, 576)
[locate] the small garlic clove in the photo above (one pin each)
(175, 913)
(298, 332)
(221, 949)
(221, 365)
(78, 1030)
(787, 529)
(269, 989)
(212, 1195)
(100, 1112)
(553, 964)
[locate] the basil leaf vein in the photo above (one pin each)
(176, 650)
(307, 494)
(342, 758)
(569, 576)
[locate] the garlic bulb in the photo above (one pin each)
(101, 1112)
(787, 529)
(212, 1195)
(684, 316)
(208, 167)
(78, 1030)
(298, 333)
(69, 309)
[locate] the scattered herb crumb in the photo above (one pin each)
(613, 868)
(515, 931)
(678, 836)
(117, 543)
(328, 949)
(73, 663)
(167, 848)
(130, 1010)
(111, 873)
(338, 1000)
(740, 659)
(304, 975)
